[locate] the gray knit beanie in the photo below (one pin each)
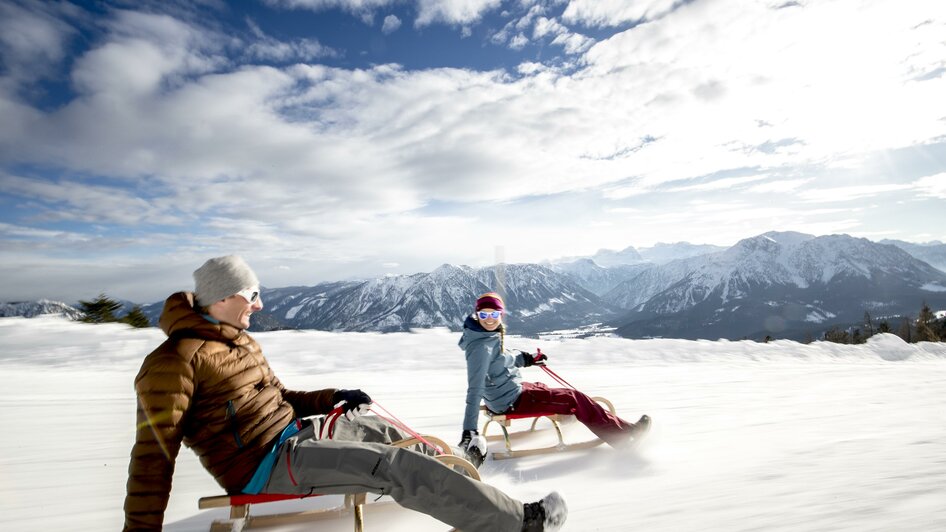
(220, 278)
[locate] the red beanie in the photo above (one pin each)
(490, 300)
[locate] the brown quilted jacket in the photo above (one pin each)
(208, 386)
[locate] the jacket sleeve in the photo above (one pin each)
(477, 360)
(306, 404)
(165, 386)
(519, 359)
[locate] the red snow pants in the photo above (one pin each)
(537, 398)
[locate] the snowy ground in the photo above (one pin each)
(773, 437)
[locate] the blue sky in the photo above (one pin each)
(331, 139)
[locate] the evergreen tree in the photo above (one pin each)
(868, 325)
(857, 338)
(136, 318)
(924, 325)
(883, 327)
(837, 336)
(99, 310)
(905, 332)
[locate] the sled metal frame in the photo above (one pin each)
(240, 518)
(505, 420)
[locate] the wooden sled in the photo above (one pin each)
(505, 420)
(240, 518)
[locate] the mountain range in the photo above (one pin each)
(778, 284)
(31, 309)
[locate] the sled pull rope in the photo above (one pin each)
(330, 420)
(552, 374)
(401, 425)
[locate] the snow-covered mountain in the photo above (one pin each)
(782, 284)
(933, 253)
(598, 279)
(538, 299)
(31, 309)
(609, 257)
(662, 253)
(659, 253)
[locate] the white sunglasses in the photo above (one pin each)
(251, 295)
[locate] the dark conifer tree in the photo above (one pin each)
(905, 332)
(868, 325)
(136, 318)
(924, 325)
(99, 310)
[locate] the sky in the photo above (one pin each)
(747, 436)
(339, 139)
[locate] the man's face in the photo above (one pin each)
(237, 309)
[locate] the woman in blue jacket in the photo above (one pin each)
(493, 377)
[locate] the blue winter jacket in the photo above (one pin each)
(492, 375)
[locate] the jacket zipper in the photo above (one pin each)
(234, 426)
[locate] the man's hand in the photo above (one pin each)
(354, 403)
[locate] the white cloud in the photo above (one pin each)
(518, 42)
(615, 12)
(33, 37)
(145, 52)
(266, 48)
(391, 24)
(452, 11)
(545, 26)
(933, 185)
(526, 20)
(83, 202)
(778, 187)
(318, 164)
(849, 193)
(573, 43)
(319, 5)
(722, 184)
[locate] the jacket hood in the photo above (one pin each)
(180, 315)
(473, 331)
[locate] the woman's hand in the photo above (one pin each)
(538, 359)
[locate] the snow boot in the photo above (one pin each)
(547, 515)
(635, 434)
(641, 427)
(475, 451)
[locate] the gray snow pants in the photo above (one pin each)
(358, 460)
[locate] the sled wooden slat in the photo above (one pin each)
(240, 518)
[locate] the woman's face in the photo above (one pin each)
(489, 318)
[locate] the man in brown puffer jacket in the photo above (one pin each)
(210, 387)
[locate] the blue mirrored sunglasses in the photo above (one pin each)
(494, 314)
(250, 294)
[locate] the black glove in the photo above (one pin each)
(356, 402)
(467, 437)
(531, 360)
